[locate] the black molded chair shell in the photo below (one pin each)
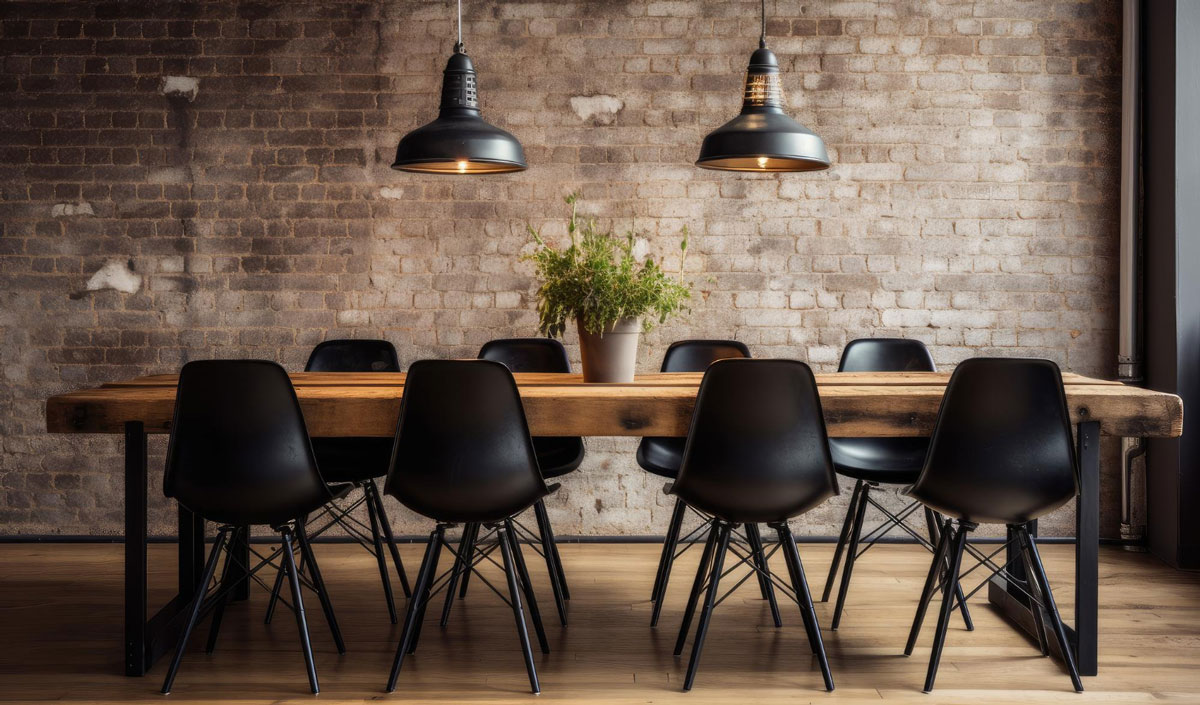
(757, 451)
(557, 455)
(662, 455)
(353, 356)
(463, 451)
(354, 458)
(239, 451)
(882, 460)
(1002, 450)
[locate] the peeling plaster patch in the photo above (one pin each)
(599, 109)
(169, 175)
(63, 209)
(394, 194)
(180, 86)
(116, 275)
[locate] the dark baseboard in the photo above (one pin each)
(64, 538)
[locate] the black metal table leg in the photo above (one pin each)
(1013, 606)
(1087, 549)
(135, 549)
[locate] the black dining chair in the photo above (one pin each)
(756, 453)
(463, 455)
(557, 456)
(872, 462)
(1001, 453)
(662, 456)
(239, 455)
(356, 461)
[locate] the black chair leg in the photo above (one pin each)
(697, 586)
(535, 614)
(807, 611)
(841, 544)
(764, 581)
(387, 535)
(546, 537)
(424, 578)
(470, 548)
(380, 559)
(959, 542)
(934, 520)
(1039, 624)
(427, 596)
(514, 594)
(461, 568)
(289, 564)
(1039, 574)
(219, 609)
(274, 601)
(710, 600)
(668, 555)
(201, 590)
(935, 569)
(546, 532)
(851, 555)
(314, 570)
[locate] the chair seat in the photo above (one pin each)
(558, 456)
(352, 459)
(892, 461)
(661, 456)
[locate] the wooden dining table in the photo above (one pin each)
(855, 404)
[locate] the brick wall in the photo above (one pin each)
(228, 163)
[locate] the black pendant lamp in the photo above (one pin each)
(763, 138)
(459, 141)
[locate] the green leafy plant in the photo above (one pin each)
(598, 280)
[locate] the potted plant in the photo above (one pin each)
(598, 282)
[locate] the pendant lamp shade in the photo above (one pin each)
(763, 137)
(459, 141)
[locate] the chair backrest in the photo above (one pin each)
(462, 450)
(353, 356)
(527, 354)
(757, 449)
(886, 355)
(1001, 450)
(697, 355)
(239, 450)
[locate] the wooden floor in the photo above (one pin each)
(60, 626)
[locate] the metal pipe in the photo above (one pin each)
(1129, 362)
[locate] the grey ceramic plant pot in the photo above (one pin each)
(610, 356)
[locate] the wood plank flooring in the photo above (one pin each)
(60, 630)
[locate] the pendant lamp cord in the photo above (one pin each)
(762, 35)
(458, 47)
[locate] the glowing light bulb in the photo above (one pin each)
(462, 166)
(762, 162)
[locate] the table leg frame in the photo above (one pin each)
(1015, 607)
(148, 639)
